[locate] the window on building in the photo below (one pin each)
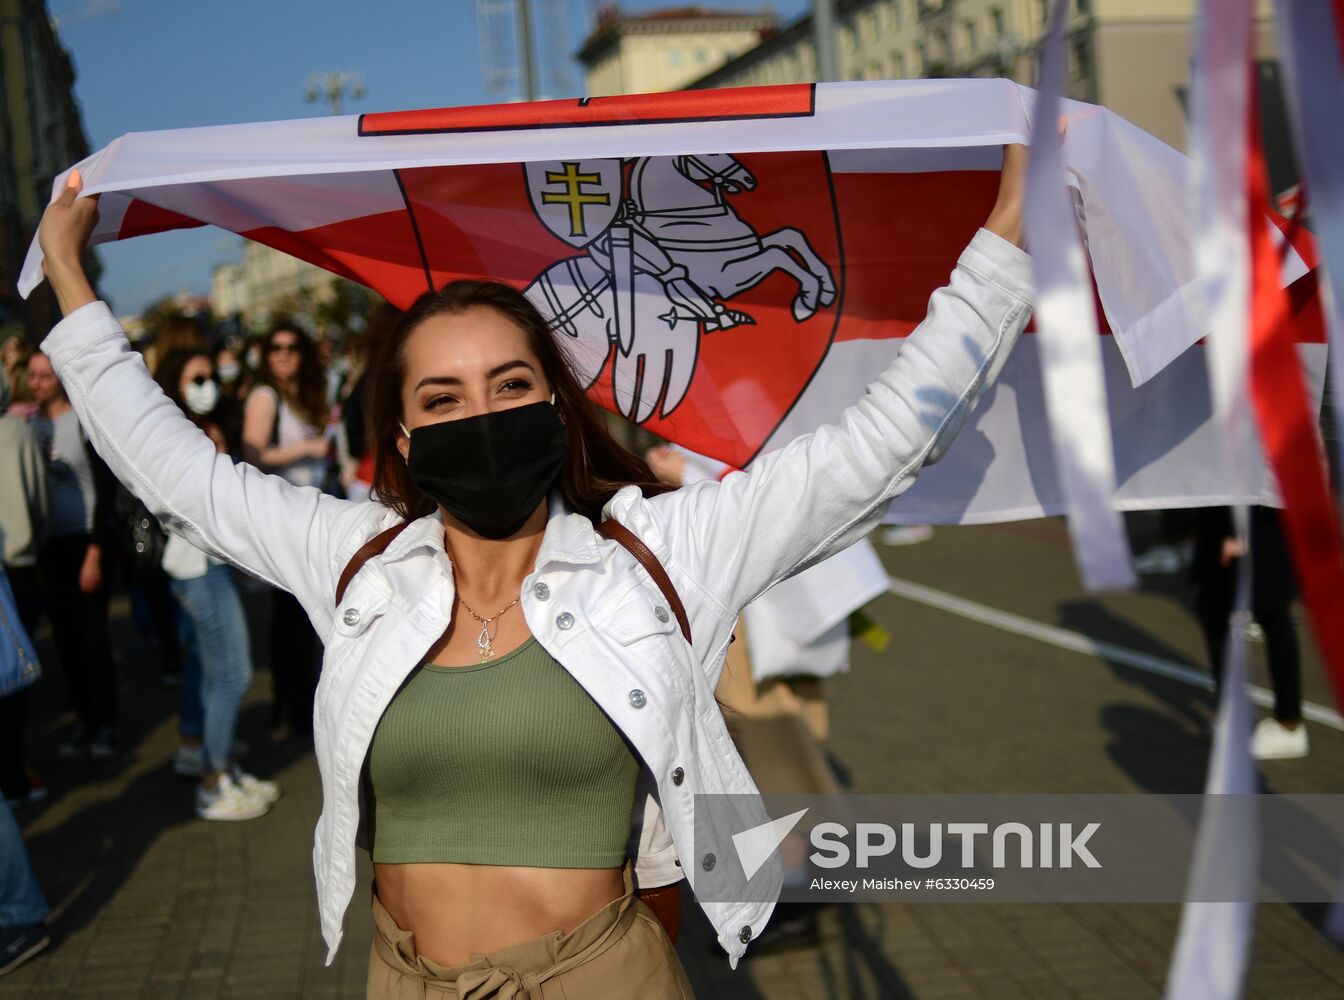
(895, 7)
(1083, 7)
(898, 65)
(674, 57)
(944, 46)
(701, 56)
(972, 42)
(1045, 11)
(996, 24)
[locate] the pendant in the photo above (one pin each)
(483, 643)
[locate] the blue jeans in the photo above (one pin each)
(221, 642)
(21, 899)
(191, 713)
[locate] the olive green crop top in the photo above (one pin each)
(506, 763)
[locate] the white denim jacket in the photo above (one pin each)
(588, 603)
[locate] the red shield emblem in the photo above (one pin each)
(693, 294)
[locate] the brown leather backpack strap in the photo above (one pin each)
(374, 546)
(631, 542)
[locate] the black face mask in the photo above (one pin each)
(490, 471)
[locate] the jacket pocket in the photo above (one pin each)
(365, 602)
(640, 617)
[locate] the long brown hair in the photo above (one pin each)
(309, 396)
(596, 464)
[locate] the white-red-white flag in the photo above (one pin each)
(731, 268)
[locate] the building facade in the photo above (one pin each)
(245, 295)
(41, 133)
(1130, 55)
(665, 49)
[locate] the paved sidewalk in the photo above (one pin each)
(150, 902)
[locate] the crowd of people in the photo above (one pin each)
(71, 533)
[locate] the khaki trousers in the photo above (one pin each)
(620, 951)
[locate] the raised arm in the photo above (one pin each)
(288, 536)
(825, 490)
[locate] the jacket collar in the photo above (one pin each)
(569, 536)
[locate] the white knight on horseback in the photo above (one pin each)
(657, 267)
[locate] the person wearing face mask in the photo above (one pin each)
(524, 631)
(284, 424)
(204, 588)
(234, 384)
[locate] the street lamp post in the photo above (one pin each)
(823, 34)
(334, 88)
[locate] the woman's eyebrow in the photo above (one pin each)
(492, 373)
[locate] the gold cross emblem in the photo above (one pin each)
(573, 195)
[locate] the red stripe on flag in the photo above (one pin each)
(142, 219)
(791, 101)
(1288, 430)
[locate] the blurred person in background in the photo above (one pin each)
(284, 432)
(80, 491)
(234, 382)
(358, 470)
(23, 909)
(1213, 574)
(23, 516)
(14, 356)
(204, 588)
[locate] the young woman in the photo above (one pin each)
(71, 563)
(204, 589)
(284, 424)
(532, 719)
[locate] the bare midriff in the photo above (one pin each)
(456, 911)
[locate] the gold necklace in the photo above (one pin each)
(484, 639)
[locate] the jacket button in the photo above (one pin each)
(744, 935)
(708, 862)
(637, 698)
(661, 614)
(541, 592)
(351, 617)
(678, 776)
(564, 621)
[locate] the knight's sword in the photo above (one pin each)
(623, 285)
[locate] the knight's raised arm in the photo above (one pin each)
(825, 490)
(285, 535)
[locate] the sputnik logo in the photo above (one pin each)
(755, 846)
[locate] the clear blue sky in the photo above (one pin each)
(154, 64)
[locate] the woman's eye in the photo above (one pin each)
(516, 385)
(439, 402)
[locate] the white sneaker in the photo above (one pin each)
(259, 788)
(1272, 740)
(227, 801)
